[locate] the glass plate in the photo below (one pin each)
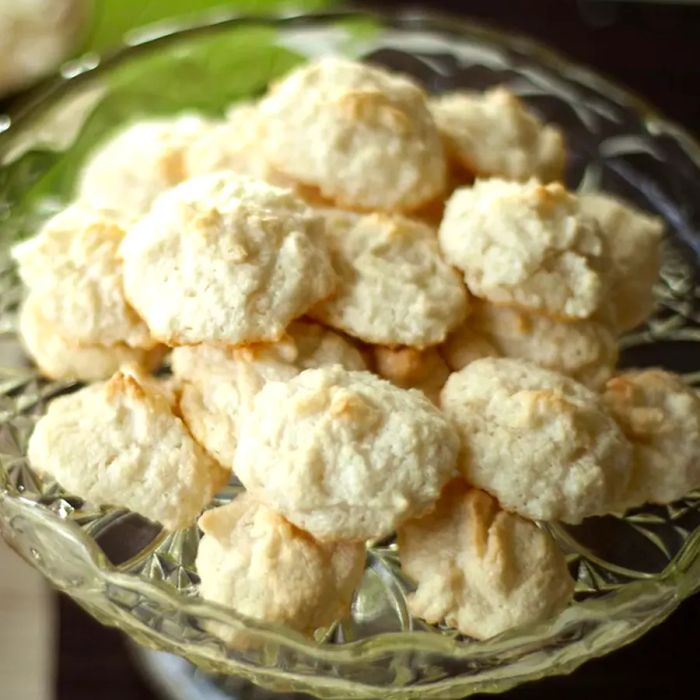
(631, 572)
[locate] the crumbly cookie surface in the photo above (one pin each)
(224, 259)
(254, 561)
(493, 134)
(527, 245)
(541, 443)
(119, 443)
(394, 287)
(129, 170)
(585, 350)
(73, 265)
(633, 239)
(481, 569)
(219, 384)
(59, 357)
(660, 415)
(344, 455)
(360, 134)
(234, 143)
(215, 389)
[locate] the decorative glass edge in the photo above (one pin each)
(639, 606)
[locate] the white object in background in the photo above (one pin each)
(26, 630)
(35, 36)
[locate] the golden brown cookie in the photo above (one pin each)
(254, 561)
(481, 569)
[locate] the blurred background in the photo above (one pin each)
(49, 648)
(651, 46)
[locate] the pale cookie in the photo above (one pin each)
(254, 561)
(527, 245)
(129, 170)
(225, 259)
(58, 357)
(73, 265)
(660, 414)
(409, 368)
(210, 381)
(633, 240)
(493, 134)
(362, 135)
(219, 384)
(344, 455)
(585, 350)
(234, 143)
(541, 443)
(480, 569)
(118, 443)
(35, 36)
(394, 287)
(211, 412)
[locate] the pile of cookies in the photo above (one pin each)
(382, 313)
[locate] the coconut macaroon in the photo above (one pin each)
(118, 443)
(585, 350)
(73, 266)
(660, 414)
(493, 134)
(209, 397)
(219, 384)
(224, 259)
(409, 368)
(131, 168)
(254, 561)
(60, 357)
(527, 245)
(234, 143)
(633, 240)
(541, 443)
(344, 455)
(362, 135)
(35, 36)
(394, 287)
(480, 569)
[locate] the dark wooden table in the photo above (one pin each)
(654, 49)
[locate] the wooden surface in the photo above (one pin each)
(27, 649)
